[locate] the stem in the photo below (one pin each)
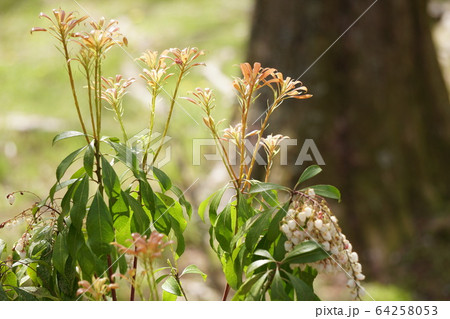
(74, 92)
(133, 278)
(88, 78)
(261, 131)
(225, 292)
(181, 287)
(111, 279)
(172, 104)
(122, 127)
(151, 125)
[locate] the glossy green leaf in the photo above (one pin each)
(99, 226)
(274, 227)
(67, 134)
(256, 291)
(215, 202)
(172, 286)
(308, 173)
(24, 295)
(277, 289)
(110, 179)
(258, 229)
(258, 263)
(65, 164)
(229, 271)
(86, 260)
(193, 269)
(81, 196)
(164, 180)
(302, 290)
(167, 296)
(263, 253)
(259, 187)
(203, 206)
(246, 286)
(305, 252)
(271, 197)
(326, 191)
(60, 253)
(182, 200)
(88, 159)
(140, 223)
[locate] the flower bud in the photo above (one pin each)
(318, 223)
(292, 224)
(285, 228)
(354, 257)
(351, 283)
(357, 267)
(311, 192)
(288, 245)
(295, 241)
(326, 245)
(11, 198)
(308, 211)
(360, 276)
(301, 217)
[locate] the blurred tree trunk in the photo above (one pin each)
(380, 117)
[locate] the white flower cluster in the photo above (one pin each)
(309, 218)
(22, 244)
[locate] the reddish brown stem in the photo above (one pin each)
(111, 279)
(133, 280)
(225, 292)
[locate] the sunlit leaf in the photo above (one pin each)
(67, 134)
(193, 269)
(172, 286)
(308, 173)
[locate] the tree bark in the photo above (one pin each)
(380, 117)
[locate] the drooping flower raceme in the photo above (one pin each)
(309, 218)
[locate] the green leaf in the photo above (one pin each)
(274, 227)
(164, 180)
(302, 290)
(277, 289)
(258, 263)
(86, 259)
(67, 134)
(263, 253)
(110, 179)
(246, 286)
(256, 291)
(65, 164)
(203, 206)
(258, 187)
(60, 253)
(3, 296)
(305, 252)
(229, 271)
(215, 202)
(172, 286)
(193, 269)
(258, 229)
(182, 200)
(88, 159)
(24, 296)
(80, 200)
(271, 198)
(99, 226)
(326, 191)
(167, 296)
(308, 173)
(140, 223)
(223, 229)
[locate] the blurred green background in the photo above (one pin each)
(36, 103)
